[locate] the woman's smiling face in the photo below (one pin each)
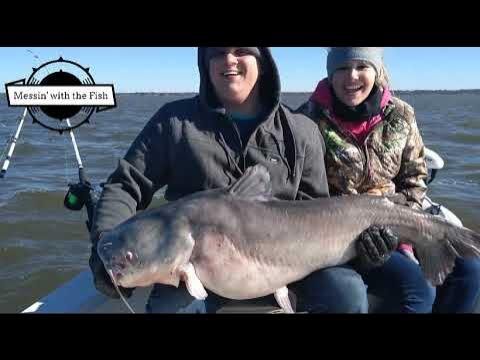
(353, 82)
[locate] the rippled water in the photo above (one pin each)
(42, 244)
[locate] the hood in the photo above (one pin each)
(269, 83)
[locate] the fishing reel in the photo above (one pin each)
(81, 195)
(77, 196)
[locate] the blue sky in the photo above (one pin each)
(175, 69)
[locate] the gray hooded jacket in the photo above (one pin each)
(191, 145)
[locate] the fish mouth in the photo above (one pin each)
(116, 275)
(130, 275)
(121, 277)
(136, 278)
(119, 264)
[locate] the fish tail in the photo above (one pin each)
(437, 258)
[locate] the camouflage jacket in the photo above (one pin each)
(391, 159)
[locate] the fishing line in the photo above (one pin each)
(110, 273)
(38, 59)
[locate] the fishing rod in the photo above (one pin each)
(81, 193)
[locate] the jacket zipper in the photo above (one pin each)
(365, 145)
(242, 151)
(240, 168)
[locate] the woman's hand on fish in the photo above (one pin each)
(375, 245)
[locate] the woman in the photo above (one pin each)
(373, 146)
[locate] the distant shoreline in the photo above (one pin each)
(460, 91)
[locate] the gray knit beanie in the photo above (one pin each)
(337, 56)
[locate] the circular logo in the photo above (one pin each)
(60, 78)
(60, 73)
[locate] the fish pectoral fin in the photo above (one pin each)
(281, 295)
(255, 184)
(193, 283)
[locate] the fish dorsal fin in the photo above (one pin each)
(255, 184)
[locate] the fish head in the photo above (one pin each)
(146, 250)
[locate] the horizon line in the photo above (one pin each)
(291, 92)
